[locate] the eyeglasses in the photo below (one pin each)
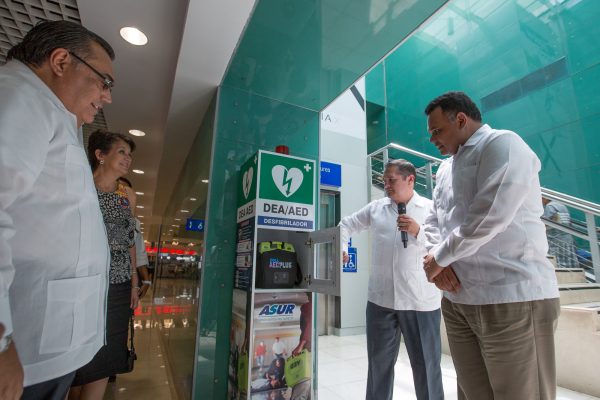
(107, 82)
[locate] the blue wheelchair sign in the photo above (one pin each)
(352, 264)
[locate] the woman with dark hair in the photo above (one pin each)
(110, 157)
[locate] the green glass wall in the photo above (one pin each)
(294, 58)
(532, 66)
(245, 123)
(307, 52)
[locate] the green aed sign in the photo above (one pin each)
(279, 190)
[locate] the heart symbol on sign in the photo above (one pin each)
(247, 181)
(288, 181)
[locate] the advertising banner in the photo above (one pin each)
(282, 343)
(286, 194)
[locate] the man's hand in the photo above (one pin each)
(345, 257)
(406, 223)
(11, 372)
(431, 267)
(447, 280)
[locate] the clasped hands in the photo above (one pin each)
(443, 278)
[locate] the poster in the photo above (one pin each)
(282, 346)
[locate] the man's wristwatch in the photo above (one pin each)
(149, 283)
(5, 343)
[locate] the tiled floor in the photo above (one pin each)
(343, 372)
(165, 333)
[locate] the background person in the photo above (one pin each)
(141, 256)
(486, 233)
(110, 157)
(53, 249)
(279, 348)
(400, 300)
(560, 244)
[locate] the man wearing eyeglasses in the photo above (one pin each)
(401, 303)
(53, 249)
(485, 232)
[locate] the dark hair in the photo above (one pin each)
(47, 36)
(126, 181)
(104, 140)
(452, 103)
(403, 167)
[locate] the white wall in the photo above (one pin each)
(344, 141)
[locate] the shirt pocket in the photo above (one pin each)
(77, 170)
(465, 184)
(72, 312)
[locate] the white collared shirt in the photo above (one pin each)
(485, 221)
(397, 280)
(54, 255)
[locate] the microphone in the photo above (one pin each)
(404, 234)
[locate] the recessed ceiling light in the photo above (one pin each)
(141, 223)
(184, 211)
(139, 193)
(193, 199)
(138, 171)
(175, 226)
(177, 219)
(139, 216)
(204, 180)
(137, 132)
(133, 36)
(139, 206)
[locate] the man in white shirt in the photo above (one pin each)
(54, 255)
(485, 232)
(400, 300)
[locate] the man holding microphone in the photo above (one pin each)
(400, 300)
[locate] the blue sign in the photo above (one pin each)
(331, 174)
(352, 264)
(194, 225)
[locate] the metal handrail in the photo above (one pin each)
(590, 209)
(568, 200)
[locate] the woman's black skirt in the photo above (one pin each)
(111, 359)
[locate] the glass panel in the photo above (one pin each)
(307, 53)
(541, 56)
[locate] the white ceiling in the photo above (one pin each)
(164, 88)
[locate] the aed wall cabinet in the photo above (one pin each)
(271, 341)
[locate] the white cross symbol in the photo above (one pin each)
(307, 167)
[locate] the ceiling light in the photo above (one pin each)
(184, 211)
(193, 199)
(139, 206)
(204, 180)
(138, 171)
(139, 216)
(141, 223)
(175, 226)
(139, 193)
(133, 36)
(137, 132)
(177, 219)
